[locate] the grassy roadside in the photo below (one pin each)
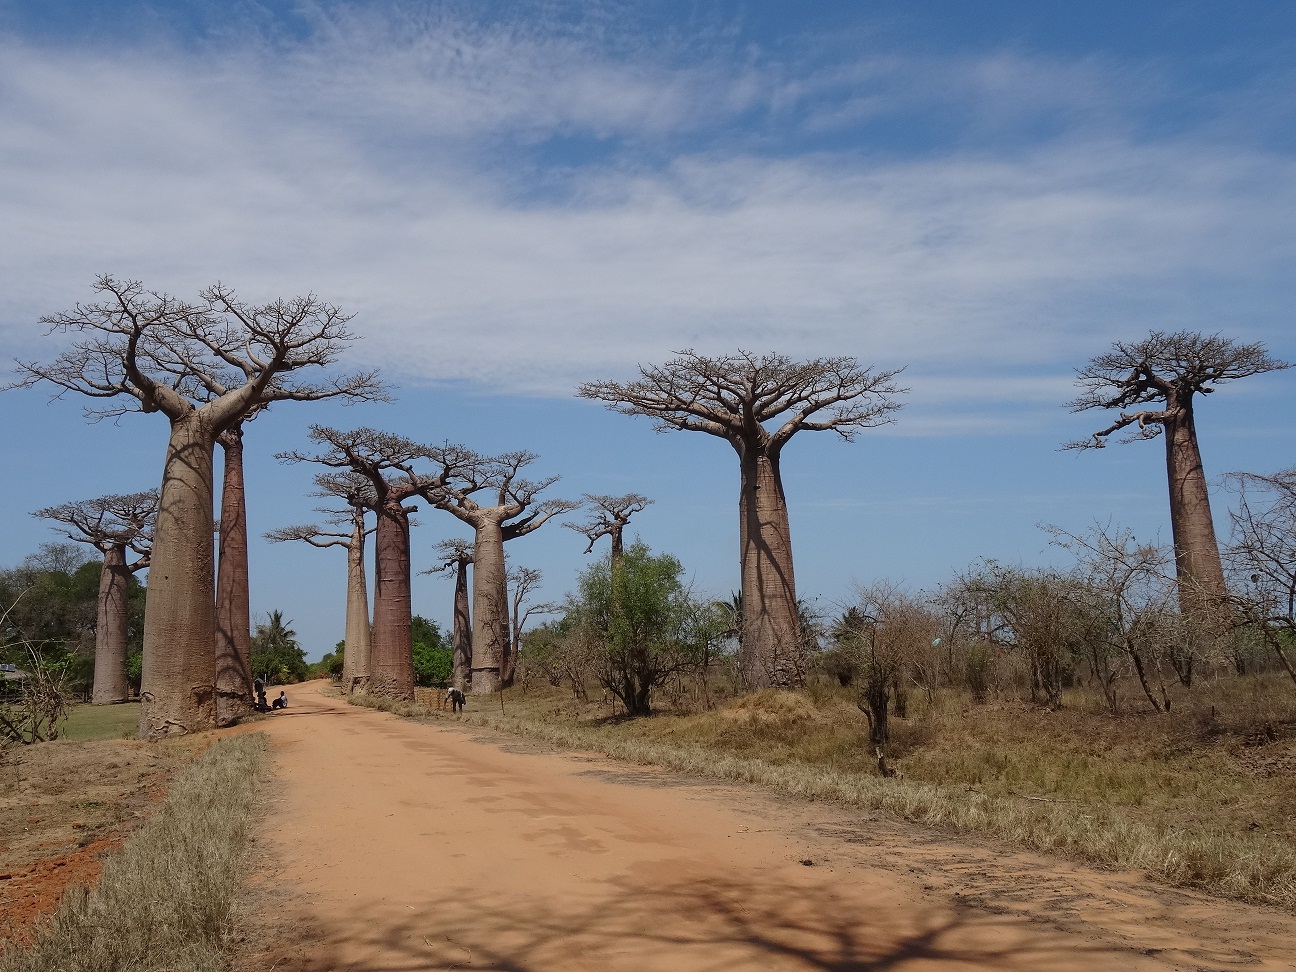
(88, 722)
(1185, 802)
(163, 901)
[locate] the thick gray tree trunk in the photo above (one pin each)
(1202, 589)
(490, 614)
(111, 627)
(233, 599)
(771, 637)
(355, 658)
(462, 634)
(391, 663)
(178, 693)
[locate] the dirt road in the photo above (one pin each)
(406, 846)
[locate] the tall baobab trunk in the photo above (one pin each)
(391, 663)
(462, 634)
(771, 629)
(178, 690)
(1202, 590)
(233, 607)
(110, 684)
(490, 619)
(356, 656)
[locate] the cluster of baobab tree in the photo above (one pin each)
(210, 366)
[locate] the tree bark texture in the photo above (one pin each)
(111, 625)
(178, 688)
(771, 629)
(233, 600)
(391, 663)
(462, 635)
(356, 656)
(1202, 590)
(490, 608)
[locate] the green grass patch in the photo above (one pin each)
(87, 722)
(163, 902)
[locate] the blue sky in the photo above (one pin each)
(516, 197)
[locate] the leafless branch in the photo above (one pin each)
(733, 396)
(610, 515)
(1168, 368)
(157, 353)
(125, 520)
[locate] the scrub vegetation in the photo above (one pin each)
(165, 900)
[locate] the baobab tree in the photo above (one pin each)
(458, 554)
(491, 496)
(1170, 370)
(386, 461)
(733, 397)
(355, 656)
(115, 526)
(205, 366)
(522, 583)
(608, 518)
(233, 597)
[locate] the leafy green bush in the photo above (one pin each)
(433, 655)
(640, 624)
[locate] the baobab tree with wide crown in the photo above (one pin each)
(205, 366)
(457, 554)
(113, 525)
(1171, 369)
(386, 461)
(490, 495)
(733, 397)
(355, 656)
(609, 518)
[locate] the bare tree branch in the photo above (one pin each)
(1169, 368)
(125, 520)
(609, 517)
(731, 396)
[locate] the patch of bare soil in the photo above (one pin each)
(63, 806)
(393, 845)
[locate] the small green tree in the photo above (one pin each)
(433, 657)
(276, 655)
(330, 666)
(640, 623)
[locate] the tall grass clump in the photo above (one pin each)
(163, 902)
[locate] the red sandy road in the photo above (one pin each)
(407, 846)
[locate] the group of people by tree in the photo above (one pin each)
(212, 365)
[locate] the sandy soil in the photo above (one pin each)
(63, 807)
(395, 845)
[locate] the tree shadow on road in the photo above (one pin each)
(709, 924)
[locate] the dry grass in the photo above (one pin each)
(163, 902)
(1202, 797)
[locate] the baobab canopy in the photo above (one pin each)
(204, 365)
(1171, 369)
(733, 397)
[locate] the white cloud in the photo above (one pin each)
(387, 170)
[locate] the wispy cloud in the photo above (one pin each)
(398, 167)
